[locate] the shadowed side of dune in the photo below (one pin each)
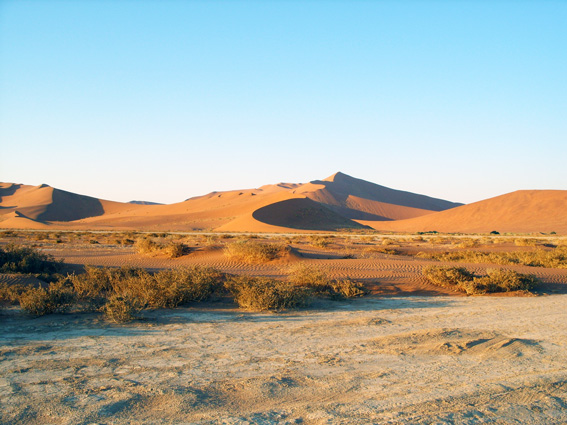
(304, 214)
(67, 206)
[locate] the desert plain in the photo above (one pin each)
(407, 352)
(404, 349)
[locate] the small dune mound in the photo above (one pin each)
(304, 214)
(486, 344)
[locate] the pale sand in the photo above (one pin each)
(408, 360)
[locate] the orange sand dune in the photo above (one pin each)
(337, 202)
(358, 199)
(523, 211)
(41, 204)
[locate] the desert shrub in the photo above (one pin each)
(57, 298)
(165, 289)
(468, 243)
(319, 241)
(555, 258)
(174, 249)
(383, 250)
(189, 284)
(307, 275)
(386, 242)
(260, 294)
(500, 280)
(146, 246)
(525, 242)
(93, 283)
(11, 293)
(171, 249)
(346, 288)
(255, 252)
(14, 259)
(460, 279)
(319, 283)
(94, 287)
(447, 277)
(120, 309)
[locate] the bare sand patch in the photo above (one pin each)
(398, 360)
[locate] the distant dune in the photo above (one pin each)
(144, 203)
(524, 211)
(337, 202)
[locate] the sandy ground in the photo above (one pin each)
(407, 360)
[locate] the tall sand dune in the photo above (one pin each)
(334, 203)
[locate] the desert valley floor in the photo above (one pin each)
(409, 352)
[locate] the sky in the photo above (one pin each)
(165, 100)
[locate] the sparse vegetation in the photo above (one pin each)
(468, 243)
(57, 298)
(251, 252)
(26, 260)
(319, 241)
(525, 242)
(554, 258)
(460, 279)
(170, 249)
(314, 278)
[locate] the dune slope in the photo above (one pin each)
(523, 211)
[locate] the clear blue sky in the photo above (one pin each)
(164, 100)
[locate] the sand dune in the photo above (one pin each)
(325, 205)
(358, 199)
(337, 202)
(44, 203)
(523, 211)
